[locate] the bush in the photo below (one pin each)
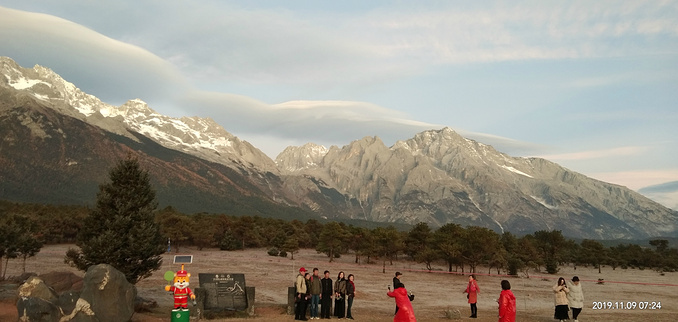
(552, 267)
(274, 251)
(229, 242)
(515, 264)
(283, 253)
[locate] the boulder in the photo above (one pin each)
(36, 287)
(67, 301)
(8, 292)
(82, 313)
(21, 278)
(35, 309)
(144, 305)
(107, 294)
(62, 281)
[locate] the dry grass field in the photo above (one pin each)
(434, 291)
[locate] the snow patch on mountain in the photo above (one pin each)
(514, 170)
(543, 202)
(24, 83)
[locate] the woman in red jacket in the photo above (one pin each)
(472, 289)
(507, 303)
(405, 311)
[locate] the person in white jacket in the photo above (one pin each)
(575, 297)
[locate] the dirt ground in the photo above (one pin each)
(434, 292)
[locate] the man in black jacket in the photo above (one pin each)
(327, 289)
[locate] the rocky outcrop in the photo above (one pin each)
(106, 296)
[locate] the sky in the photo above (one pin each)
(591, 85)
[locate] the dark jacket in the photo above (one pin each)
(397, 283)
(308, 288)
(340, 286)
(326, 287)
(350, 290)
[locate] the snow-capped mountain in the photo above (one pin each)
(58, 142)
(197, 136)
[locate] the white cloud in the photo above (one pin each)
(637, 179)
(100, 65)
(228, 42)
(597, 154)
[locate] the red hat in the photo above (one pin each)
(182, 273)
(302, 269)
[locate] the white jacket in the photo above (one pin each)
(575, 296)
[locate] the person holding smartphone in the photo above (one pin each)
(405, 310)
(562, 310)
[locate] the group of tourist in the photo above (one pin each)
(568, 296)
(317, 292)
(506, 301)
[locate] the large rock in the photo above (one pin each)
(35, 309)
(82, 313)
(36, 287)
(62, 281)
(67, 301)
(106, 295)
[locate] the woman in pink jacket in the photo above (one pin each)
(405, 311)
(507, 303)
(472, 289)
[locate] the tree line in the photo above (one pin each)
(24, 228)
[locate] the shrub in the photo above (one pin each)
(552, 267)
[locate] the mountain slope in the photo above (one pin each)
(52, 153)
(58, 143)
(201, 137)
(440, 177)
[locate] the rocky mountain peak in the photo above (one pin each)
(201, 137)
(295, 158)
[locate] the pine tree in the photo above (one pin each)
(121, 230)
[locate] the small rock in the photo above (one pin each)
(452, 314)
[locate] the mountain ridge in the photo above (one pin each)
(437, 176)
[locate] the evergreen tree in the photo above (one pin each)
(18, 238)
(448, 241)
(593, 252)
(121, 230)
(291, 245)
(332, 240)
